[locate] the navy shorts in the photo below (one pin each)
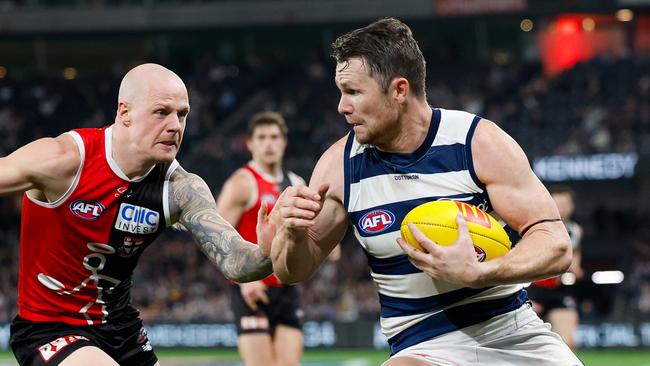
(49, 343)
(283, 309)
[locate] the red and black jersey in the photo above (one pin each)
(77, 254)
(266, 189)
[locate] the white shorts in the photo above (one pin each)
(516, 338)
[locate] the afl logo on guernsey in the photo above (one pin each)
(376, 221)
(88, 210)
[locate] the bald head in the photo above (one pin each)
(144, 79)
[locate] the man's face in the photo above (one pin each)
(364, 104)
(158, 121)
(267, 144)
(564, 204)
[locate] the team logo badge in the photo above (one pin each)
(376, 221)
(130, 246)
(87, 210)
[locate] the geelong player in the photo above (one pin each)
(94, 200)
(267, 313)
(442, 306)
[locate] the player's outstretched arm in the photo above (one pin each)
(191, 200)
(310, 221)
(48, 165)
(524, 204)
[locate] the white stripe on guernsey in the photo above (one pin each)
(411, 286)
(165, 193)
(384, 189)
(453, 127)
(393, 326)
(356, 147)
(82, 154)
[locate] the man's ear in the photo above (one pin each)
(123, 115)
(400, 88)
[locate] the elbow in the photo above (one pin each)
(564, 256)
(290, 277)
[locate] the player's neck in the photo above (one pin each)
(411, 131)
(273, 171)
(123, 156)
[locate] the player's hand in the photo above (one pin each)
(265, 229)
(335, 254)
(254, 292)
(297, 207)
(456, 263)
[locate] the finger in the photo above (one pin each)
(420, 257)
(463, 230)
(302, 203)
(250, 302)
(263, 297)
(308, 193)
(262, 212)
(427, 244)
(322, 192)
(297, 213)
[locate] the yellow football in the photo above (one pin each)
(437, 220)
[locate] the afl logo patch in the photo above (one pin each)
(376, 221)
(88, 210)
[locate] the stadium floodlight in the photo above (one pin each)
(607, 277)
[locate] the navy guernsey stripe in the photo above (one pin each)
(347, 169)
(455, 318)
(398, 306)
(439, 159)
(398, 265)
(468, 152)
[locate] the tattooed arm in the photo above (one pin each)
(192, 204)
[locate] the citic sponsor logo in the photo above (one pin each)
(137, 220)
(89, 210)
(376, 221)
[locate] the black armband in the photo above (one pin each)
(523, 232)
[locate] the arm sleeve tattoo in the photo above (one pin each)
(194, 206)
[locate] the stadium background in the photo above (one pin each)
(569, 80)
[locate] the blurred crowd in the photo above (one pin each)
(599, 106)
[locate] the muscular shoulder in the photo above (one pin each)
(496, 154)
(51, 161)
(329, 169)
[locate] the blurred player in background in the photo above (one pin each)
(95, 198)
(553, 301)
(442, 306)
(267, 313)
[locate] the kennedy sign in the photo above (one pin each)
(585, 167)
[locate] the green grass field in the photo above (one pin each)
(339, 357)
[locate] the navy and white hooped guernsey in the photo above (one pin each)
(380, 189)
